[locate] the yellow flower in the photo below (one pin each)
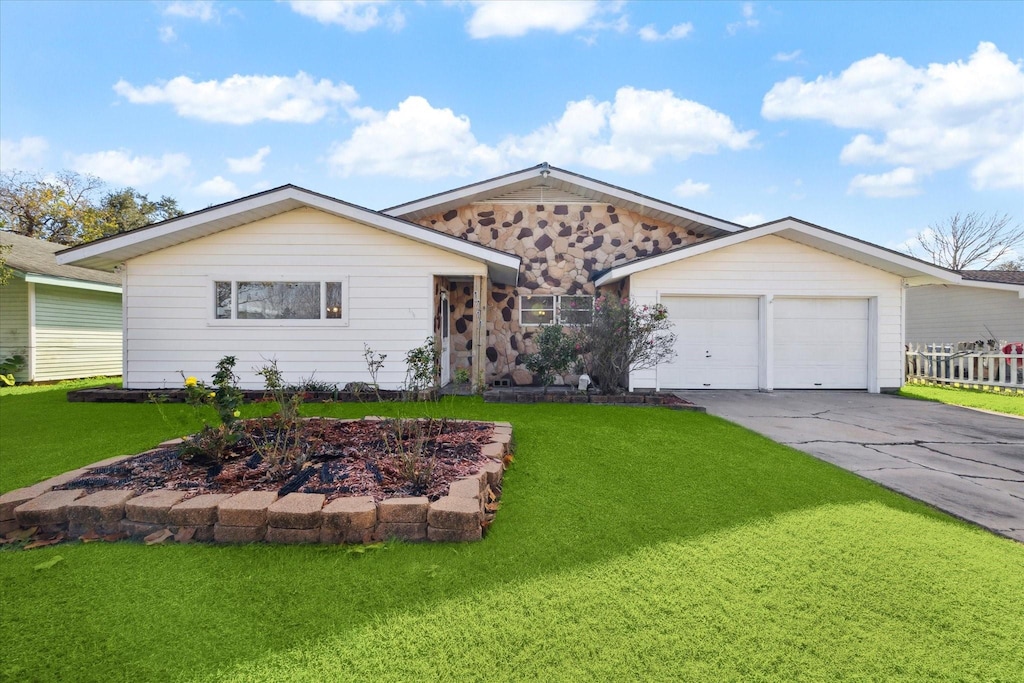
(191, 381)
(212, 394)
(236, 413)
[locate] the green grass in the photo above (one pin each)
(631, 543)
(1002, 402)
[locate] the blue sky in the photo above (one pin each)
(874, 119)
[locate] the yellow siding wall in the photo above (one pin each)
(78, 333)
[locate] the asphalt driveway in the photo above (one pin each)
(966, 462)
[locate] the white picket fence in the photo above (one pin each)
(967, 363)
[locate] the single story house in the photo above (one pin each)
(313, 281)
(987, 304)
(64, 320)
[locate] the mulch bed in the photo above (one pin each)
(344, 458)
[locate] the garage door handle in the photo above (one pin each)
(707, 354)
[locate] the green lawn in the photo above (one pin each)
(1002, 402)
(632, 543)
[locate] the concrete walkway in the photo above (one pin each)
(966, 462)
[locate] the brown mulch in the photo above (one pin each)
(343, 458)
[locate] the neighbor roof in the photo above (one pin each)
(30, 255)
(1008, 277)
(561, 183)
(108, 252)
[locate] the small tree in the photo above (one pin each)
(969, 240)
(623, 337)
(555, 353)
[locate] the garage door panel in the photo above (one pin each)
(820, 343)
(716, 345)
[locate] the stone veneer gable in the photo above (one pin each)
(561, 246)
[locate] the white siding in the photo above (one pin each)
(773, 266)
(949, 313)
(14, 339)
(169, 301)
(78, 333)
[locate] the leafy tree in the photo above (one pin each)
(970, 240)
(5, 271)
(555, 353)
(65, 208)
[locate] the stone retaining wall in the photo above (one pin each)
(254, 516)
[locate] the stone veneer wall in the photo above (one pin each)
(561, 245)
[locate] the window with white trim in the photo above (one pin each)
(278, 300)
(551, 309)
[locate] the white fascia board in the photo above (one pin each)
(1002, 286)
(74, 284)
(463, 194)
(842, 242)
(627, 196)
(192, 227)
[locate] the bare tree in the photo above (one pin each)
(1015, 265)
(970, 240)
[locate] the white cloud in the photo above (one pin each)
(787, 56)
(650, 34)
(167, 34)
(352, 15)
(120, 167)
(245, 99)
(631, 133)
(689, 188)
(748, 21)
(511, 19)
(1002, 168)
(749, 219)
(203, 10)
(217, 186)
(927, 119)
(415, 140)
(24, 154)
(899, 182)
(253, 164)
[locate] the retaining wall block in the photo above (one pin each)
(229, 533)
(153, 507)
(293, 536)
(49, 508)
(454, 513)
(403, 510)
(101, 511)
(296, 511)
(248, 508)
(403, 531)
(198, 511)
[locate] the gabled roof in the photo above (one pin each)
(107, 253)
(915, 270)
(34, 257)
(562, 182)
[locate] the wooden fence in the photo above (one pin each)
(992, 364)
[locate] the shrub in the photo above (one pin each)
(622, 337)
(8, 367)
(280, 439)
(422, 367)
(213, 443)
(556, 351)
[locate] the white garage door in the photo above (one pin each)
(716, 346)
(821, 343)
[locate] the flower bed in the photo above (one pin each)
(359, 483)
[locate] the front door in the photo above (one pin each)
(444, 315)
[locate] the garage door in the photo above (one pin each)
(717, 343)
(821, 343)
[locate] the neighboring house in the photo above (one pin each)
(65, 321)
(988, 304)
(312, 282)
